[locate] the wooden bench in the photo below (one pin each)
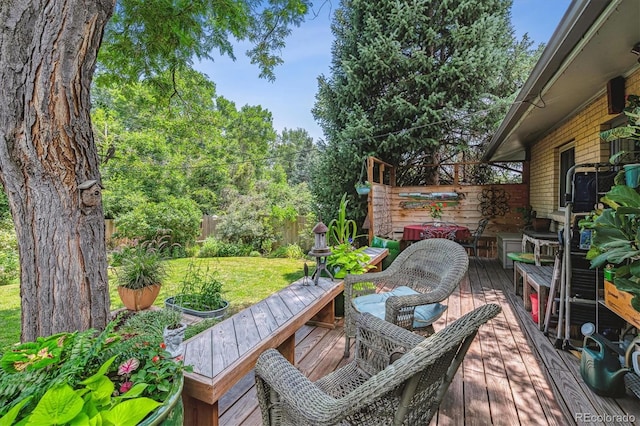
(226, 352)
(538, 278)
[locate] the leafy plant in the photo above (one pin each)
(178, 218)
(345, 259)
(142, 265)
(200, 290)
(342, 230)
(616, 239)
(151, 322)
(86, 378)
(528, 214)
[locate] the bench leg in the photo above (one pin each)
(326, 317)
(526, 291)
(288, 349)
(542, 308)
(197, 412)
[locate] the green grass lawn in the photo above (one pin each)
(246, 280)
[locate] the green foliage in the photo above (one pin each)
(342, 230)
(616, 238)
(142, 265)
(247, 221)
(144, 39)
(151, 323)
(79, 359)
(215, 248)
(199, 327)
(200, 290)
(345, 259)
(290, 251)
(178, 218)
(91, 403)
(9, 260)
(413, 83)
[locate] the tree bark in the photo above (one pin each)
(48, 160)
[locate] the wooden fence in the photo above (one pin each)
(290, 233)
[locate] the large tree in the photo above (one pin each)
(409, 82)
(48, 157)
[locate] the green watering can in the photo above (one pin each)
(600, 366)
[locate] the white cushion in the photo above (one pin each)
(375, 305)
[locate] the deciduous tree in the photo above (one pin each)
(49, 164)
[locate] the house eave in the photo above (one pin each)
(590, 46)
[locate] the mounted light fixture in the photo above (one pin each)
(636, 50)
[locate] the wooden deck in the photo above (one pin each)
(511, 375)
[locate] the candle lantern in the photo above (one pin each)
(320, 251)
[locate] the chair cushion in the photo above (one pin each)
(375, 305)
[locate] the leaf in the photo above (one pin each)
(635, 302)
(101, 389)
(624, 196)
(59, 405)
(624, 284)
(131, 412)
(9, 418)
(101, 372)
(134, 392)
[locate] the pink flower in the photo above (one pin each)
(155, 358)
(125, 387)
(128, 366)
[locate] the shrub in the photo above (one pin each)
(9, 261)
(291, 251)
(177, 218)
(209, 248)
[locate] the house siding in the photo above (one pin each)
(583, 131)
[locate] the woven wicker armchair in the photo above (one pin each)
(422, 276)
(369, 391)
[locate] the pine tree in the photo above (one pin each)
(412, 82)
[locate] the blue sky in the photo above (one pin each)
(308, 55)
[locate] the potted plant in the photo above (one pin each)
(345, 258)
(140, 275)
(89, 377)
(363, 188)
(614, 240)
(200, 294)
(630, 131)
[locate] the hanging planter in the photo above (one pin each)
(363, 188)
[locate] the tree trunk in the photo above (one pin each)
(49, 162)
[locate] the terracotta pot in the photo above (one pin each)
(139, 299)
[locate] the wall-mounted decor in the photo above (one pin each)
(493, 202)
(425, 200)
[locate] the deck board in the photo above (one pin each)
(511, 375)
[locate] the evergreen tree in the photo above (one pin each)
(411, 83)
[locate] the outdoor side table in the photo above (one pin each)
(549, 240)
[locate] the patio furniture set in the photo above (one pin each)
(381, 311)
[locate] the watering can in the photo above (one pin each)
(600, 366)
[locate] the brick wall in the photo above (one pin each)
(581, 130)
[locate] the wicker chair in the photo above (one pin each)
(368, 390)
(408, 293)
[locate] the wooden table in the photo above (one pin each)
(420, 232)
